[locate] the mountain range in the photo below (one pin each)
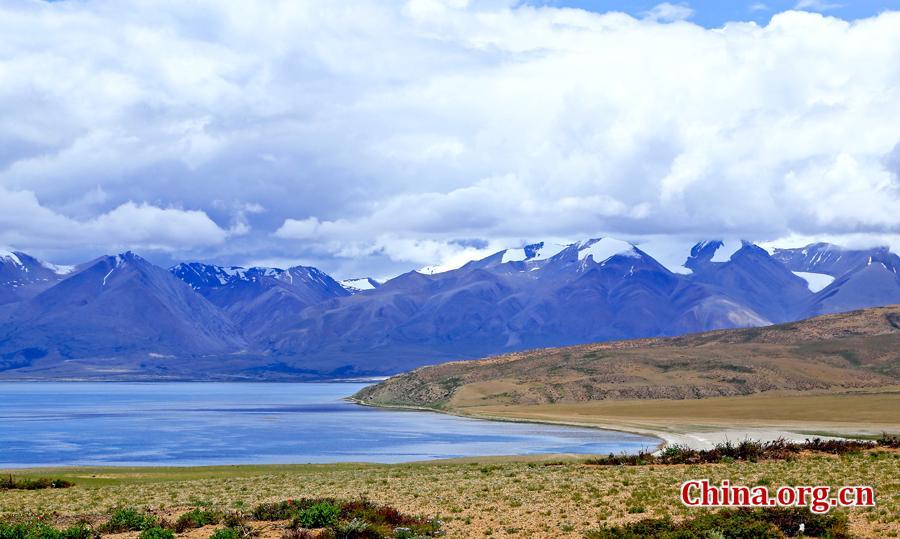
(121, 317)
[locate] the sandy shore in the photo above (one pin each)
(703, 423)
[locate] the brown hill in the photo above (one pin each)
(857, 349)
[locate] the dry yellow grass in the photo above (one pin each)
(503, 497)
(870, 412)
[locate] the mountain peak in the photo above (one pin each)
(534, 251)
(602, 249)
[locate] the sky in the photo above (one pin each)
(371, 137)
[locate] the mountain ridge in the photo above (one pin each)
(300, 323)
(858, 349)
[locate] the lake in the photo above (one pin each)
(188, 424)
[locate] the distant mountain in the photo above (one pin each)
(359, 285)
(827, 258)
(875, 282)
(23, 276)
(122, 317)
(115, 310)
(858, 349)
(750, 276)
(845, 279)
(599, 289)
(259, 300)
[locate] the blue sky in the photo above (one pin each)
(371, 137)
(714, 13)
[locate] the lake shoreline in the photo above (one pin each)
(210, 424)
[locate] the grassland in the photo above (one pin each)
(832, 375)
(841, 352)
(499, 497)
(835, 374)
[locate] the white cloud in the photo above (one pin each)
(817, 5)
(666, 12)
(389, 130)
(23, 220)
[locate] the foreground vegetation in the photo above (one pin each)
(747, 450)
(737, 523)
(11, 482)
(485, 497)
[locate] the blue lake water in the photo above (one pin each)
(49, 424)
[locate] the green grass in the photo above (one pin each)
(541, 496)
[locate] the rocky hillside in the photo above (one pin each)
(849, 350)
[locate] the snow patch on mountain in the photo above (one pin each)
(11, 256)
(726, 250)
(605, 248)
(514, 255)
(58, 269)
(360, 284)
(535, 251)
(672, 254)
(814, 281)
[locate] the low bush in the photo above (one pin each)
(356, 519)
(127, 519)
(197, 518)
(11, 482)
(733, 523)
(228, 533)
(747, 450)
(285, 510)
(319, 515)
(157, 533)
(40, 530)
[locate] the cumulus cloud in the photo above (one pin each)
(128, 226)
(377, 134)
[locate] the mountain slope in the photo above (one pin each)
(22, 276)
(117, 307)
(600, 289)
(849, 350)
(751, 277)
(875, 282)
(827, 258)
(203, 321)
(260, 300)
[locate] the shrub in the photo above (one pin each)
(355, 529)
(306, 534)
(10, 482)
(275, 511)
(759, 523)
(197, 518)
(157, 533)
(41, 530)
(126, 519)
(747, 450)
(319, 515)
(359, 519)
(889, 440)
(227, 533)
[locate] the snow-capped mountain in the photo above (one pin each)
(827, 258)
(747, 274)
(259, 299)
(121, 316)
(844, 279)
(22, 276)
(361, 284)
(115, 309)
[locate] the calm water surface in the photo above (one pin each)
(43, 424)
